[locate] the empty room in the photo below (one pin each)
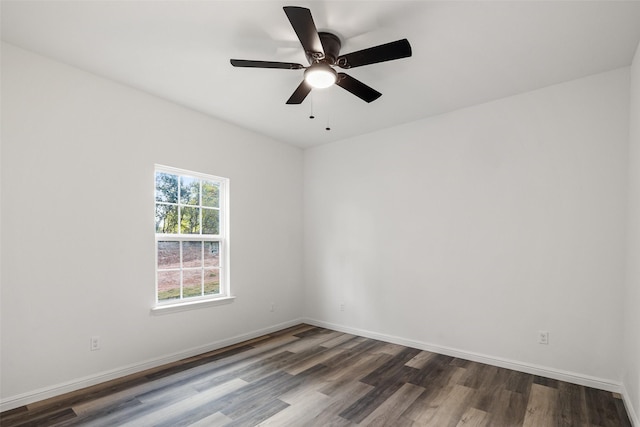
(320, 213)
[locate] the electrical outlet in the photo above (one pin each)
(342, 307)
(94, 343)
(273, 307)
(543, 337)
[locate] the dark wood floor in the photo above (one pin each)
(309, 376)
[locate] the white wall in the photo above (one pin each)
(78, 153)
(632, 292)
(473, 230)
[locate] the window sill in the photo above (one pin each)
(191, 305)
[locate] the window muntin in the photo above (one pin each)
(191, 236)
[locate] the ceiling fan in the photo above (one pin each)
(323, 53)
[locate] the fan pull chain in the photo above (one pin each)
(311, 116)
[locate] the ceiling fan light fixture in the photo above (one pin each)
(322, 50)
(320, 76)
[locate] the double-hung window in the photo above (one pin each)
(191, 218)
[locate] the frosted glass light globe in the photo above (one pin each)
(320, 76)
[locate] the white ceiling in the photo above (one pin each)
(464, 53)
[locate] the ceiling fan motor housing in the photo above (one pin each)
(331, 45)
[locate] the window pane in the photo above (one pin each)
(190, 232)
(166, 218)
(168, 285)
(210, 221)
(192, 283)
(190, 221)
(211, 254)
(210, 194)
(168, 255)
(189, 191)
(211, 281)
(166, 187)
(191, 254)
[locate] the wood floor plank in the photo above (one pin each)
(301, 408)
(572, 406)
(315, 377)
(479, 374)
(391, 349)
(54, 417)
(314, 381)
(116, 414)
(258, 414)
(344, 397)
(276, 342)
(507, 408)
(253, 395)
(249, 368)
(261, 394)
(350, 357)
(317, 358)
(474, 418)
(435, 372)
(292, 331)
(519, 382)
(441, 409)
(217, 419)
(340, 339)
(541, 409)
(352, 343)
(257, 394)
(356, 368)
(393, 369)
(267, 366)
(461, 363)
(601, 408)
(494, 394)
(312, 332)
(420, 359)
(185, 405)
(311, 341)
(386, 380)
(369, 402)
(549, 382)
(392, 409)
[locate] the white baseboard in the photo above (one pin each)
(79, 383)
(633, 416)
(571, 377)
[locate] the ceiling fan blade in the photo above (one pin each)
(300, 93)
(266, 64)
(302, 22)
(357, 88)
(381, 53)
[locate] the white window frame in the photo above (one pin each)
(224, 294)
